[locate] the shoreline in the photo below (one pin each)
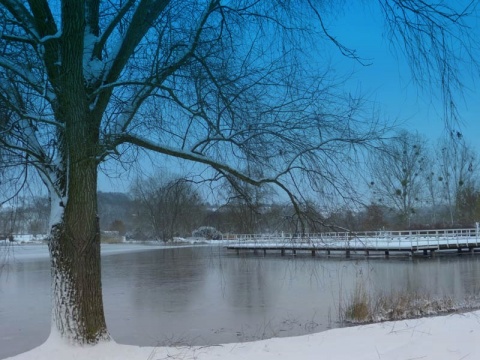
(449, 337)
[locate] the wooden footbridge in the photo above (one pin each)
(412, 242)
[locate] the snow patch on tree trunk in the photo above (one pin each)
(57, 209)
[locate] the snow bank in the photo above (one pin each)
(29, 251)
(26, 238)
(441, 338)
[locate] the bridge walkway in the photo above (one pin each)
(409, 241)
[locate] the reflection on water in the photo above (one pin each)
(205, 295)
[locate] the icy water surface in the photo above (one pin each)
(206, 295)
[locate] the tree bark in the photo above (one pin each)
(75, 237)
(75, 241)
(75, 258)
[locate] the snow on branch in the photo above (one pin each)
(33, 80)
(188, 155)
(23, 16)
(46, 38)
(221, 167)
(92, 65)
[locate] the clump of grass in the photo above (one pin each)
(359, 308)
(363, 308)
(409, 305)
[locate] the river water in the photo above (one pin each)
(208, 295)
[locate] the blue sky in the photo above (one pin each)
(386, 82)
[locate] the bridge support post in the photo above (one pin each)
(283, 252)
(347, 253)
(328, 252)
(313, 252)
(425, 252)
(459, 250)
(387, 253)
(367, 252)
(472, 250)
(264, 252)
(294, 252)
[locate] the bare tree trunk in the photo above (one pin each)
(75, 257)
(75, 240)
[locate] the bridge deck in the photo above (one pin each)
(406, 241)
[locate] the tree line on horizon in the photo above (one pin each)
(413, 185)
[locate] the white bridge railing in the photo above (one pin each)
(404, 239)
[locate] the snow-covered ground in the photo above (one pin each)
(29, 251)
(452, 337)
(25, 238)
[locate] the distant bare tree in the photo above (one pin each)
(167, 207)
(468, 205)
(433, 190)
(374, 218)
(397, 174)
(38, 215)
(245, 203)
(114, 206)
(458, 169)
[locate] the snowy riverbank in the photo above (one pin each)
(451, 337)
(30, 250)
